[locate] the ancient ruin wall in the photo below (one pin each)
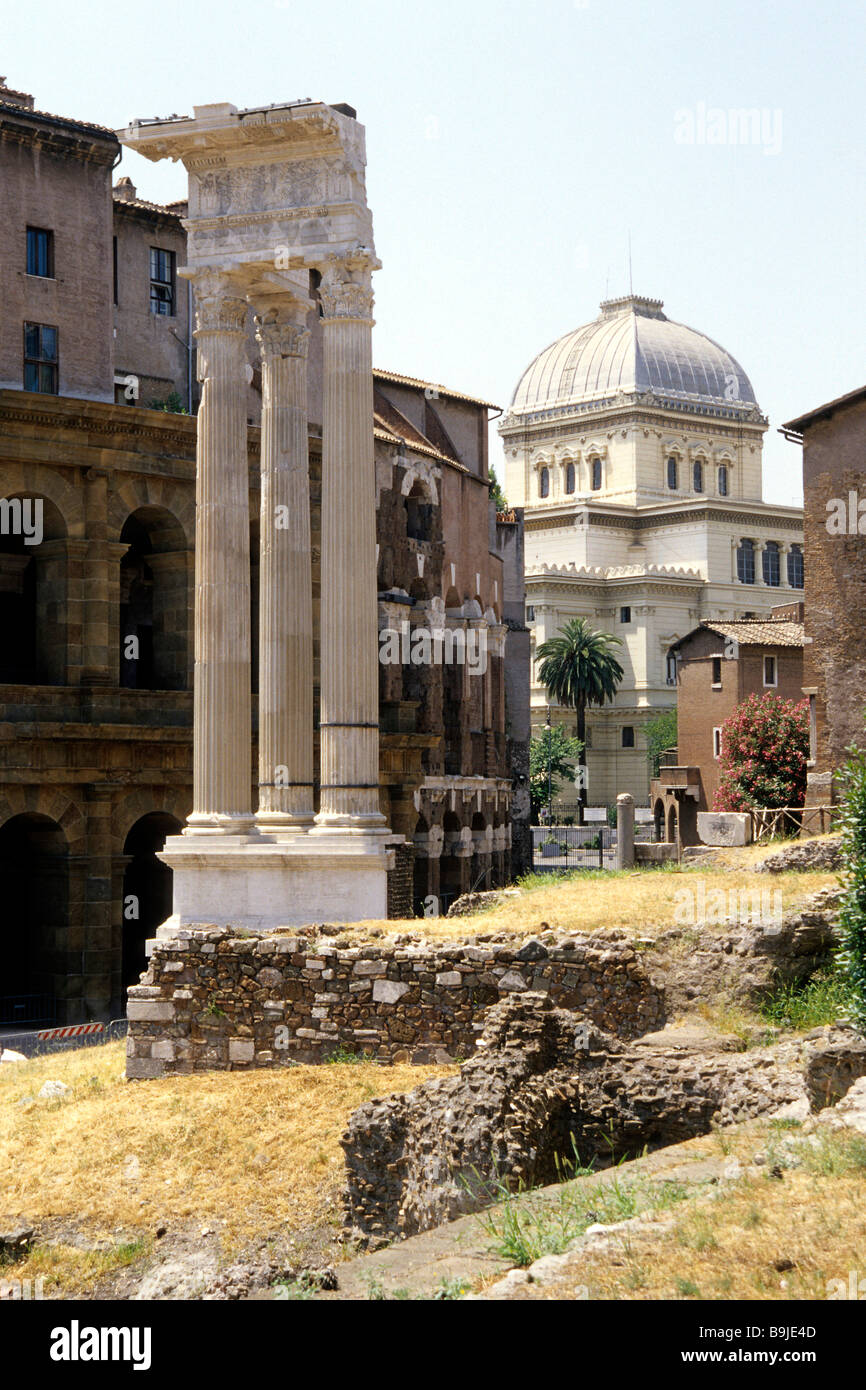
(216, 1000)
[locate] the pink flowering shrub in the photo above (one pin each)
(765, 746)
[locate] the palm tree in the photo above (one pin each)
(579, 669)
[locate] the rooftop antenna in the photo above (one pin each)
(630, 289)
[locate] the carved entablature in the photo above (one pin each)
(270, 191)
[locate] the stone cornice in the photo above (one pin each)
(640, 407)
(640, 520)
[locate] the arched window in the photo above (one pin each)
(723, 480)
(569, 477)
(746, 561)
(698, 475)
(419, 513)
(672, 474)
(771, 564)
(795, 567)
(596, 474)
(544, 482)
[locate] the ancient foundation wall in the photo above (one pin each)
(216, 1000)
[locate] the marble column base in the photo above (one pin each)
(262, 881)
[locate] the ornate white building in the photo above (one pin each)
(634, 444)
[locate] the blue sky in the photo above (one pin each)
(512, 148)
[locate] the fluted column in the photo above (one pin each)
(222, 733)
(285, 575)
(349, 647)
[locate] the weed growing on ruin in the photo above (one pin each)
(451, 1289)
(851, 956)
(294, 1290)
(834, 1155)
(824, 998)
(341, 1056)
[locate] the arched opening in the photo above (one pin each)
(569, 477)
(153, 602)
(544, 482)
(419, 513)
(672, 824)
(35, 904)
(450, 866)
(698, 475)
(421, 867)
(32, 592)
(147, 887)
(673, 473)
(595, 474)
(723, 480)
(659, 822)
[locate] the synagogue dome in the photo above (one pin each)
(633, 348)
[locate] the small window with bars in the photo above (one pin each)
(162, 280)
(40, 358)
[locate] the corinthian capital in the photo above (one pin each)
(281, 332)
(346, 291)
(218, 306)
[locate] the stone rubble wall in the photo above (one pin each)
(213, 1000)
(542, 1091)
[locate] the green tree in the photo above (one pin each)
(496, 494)
(851, 955)
(765, 747)
(660, 733)
(554, 748)
(171, 403)
(578, 669)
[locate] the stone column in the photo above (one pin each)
(222, 733)
(624, 831)
(285, 575)
(349, 676)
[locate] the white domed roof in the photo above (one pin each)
(632, 348)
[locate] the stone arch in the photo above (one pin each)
(147, 889)
(33, 589)
(672, 823)
(659, 821)
(167, 801)
(34, 911)
(154, 601)
(163, 496)
(38, 480)
(49, 802)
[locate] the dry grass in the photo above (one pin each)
(757, 1238)
(641, 902)
(243, 1154)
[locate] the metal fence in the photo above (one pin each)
(39, 1010)
(573, 847)
(41, 1042)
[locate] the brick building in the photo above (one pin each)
(834, 676)
(718, 666)
(97, 594)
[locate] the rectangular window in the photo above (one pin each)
(627, 736)
(40, 252)
(162, 281)
(771, 564)
(625, 615)
(770, 670)
(40, 358)
(717, 743)
(717, 671)
(530, 613)
(670, 669)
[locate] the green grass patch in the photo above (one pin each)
(824, 998)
